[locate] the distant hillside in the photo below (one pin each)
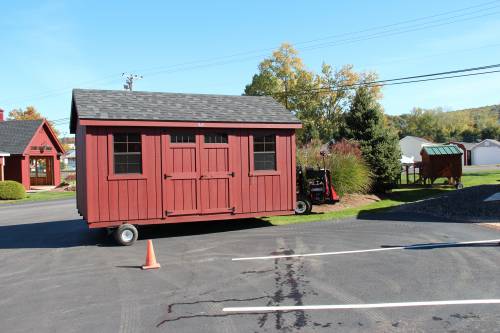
(492, 110)
(470, 125)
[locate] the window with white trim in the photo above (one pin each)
(264, 152)
(127, 154)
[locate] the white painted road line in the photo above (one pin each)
(420, 246)
(359, 306)
(494, 197)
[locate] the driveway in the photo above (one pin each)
(57, 276)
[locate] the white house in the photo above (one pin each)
(486, 152)
(411, 147)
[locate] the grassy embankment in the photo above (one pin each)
(42, 196)
(402, 194)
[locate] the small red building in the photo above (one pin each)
(34, 152)
(466, 149)
(153, 158)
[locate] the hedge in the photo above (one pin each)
(11, 190)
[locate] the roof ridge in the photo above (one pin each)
(169, 93)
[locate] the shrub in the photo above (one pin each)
(70, 178)
(350, 173)
(346, 147)
(11, 190)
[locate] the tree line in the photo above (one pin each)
(468, 125)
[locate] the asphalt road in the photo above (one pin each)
(57, 276)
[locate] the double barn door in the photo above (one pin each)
(197, 173)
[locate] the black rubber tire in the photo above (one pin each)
(309, 206)
(301, 206)
(126, 234)
(459, 186)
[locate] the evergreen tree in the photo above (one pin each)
(365, 123)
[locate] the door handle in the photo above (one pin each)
(232, 174)
(165, 176)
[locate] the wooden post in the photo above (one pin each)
(407, 174)
(2, 162)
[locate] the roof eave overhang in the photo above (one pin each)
(194, 124)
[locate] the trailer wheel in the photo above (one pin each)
(302, 206)
(309, 206)
(459, 186)
(126, 234)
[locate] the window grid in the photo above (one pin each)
(127, 153)
(264, 152)
(216, 138)
(182, 138)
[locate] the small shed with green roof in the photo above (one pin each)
(441, 161)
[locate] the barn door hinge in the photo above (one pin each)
(232, 210)
(167, 212)
(165, 176)
(232, 174)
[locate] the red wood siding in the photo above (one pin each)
(182, 182)
(122, 197)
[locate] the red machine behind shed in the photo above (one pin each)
(154, 158)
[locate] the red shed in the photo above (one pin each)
(34, 152)
(154, 158)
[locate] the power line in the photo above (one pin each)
(402, 80)
(391, 32)
(337, 35)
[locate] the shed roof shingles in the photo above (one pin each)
(138, 105)
(15, 135)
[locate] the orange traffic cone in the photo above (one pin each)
(150, 257)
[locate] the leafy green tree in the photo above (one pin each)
(379, 142)
(318, 100)
(491, 132)
(30, 113)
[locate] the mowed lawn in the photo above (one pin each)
(402, 194)
(43, 196)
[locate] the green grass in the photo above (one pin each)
(481, 178)
(400, 195)
(42, 196)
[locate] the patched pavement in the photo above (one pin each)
(58, 276)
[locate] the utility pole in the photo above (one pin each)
(129, 80)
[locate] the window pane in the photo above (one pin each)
(258, 147)
(135, 159)
(135, 137)
(120, 147)
(265, 161)
(120, 168)
(182, 138)
(216, 138)
(134, 168)
(127, 153)
(120, 137)
(134, 147)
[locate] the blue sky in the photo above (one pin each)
(49, 47)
